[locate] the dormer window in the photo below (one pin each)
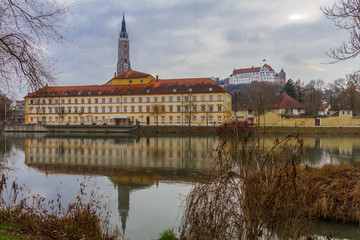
(147, 90)
(129, 91)
(210, 89)
(53, 93)
(89, 92)
(190, 89)
(80, 92)
(67, 92)
(174, 90)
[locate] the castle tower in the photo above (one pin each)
(123, 63)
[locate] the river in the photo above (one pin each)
(142, 181)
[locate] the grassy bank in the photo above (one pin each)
(175, 130)
(308, 130)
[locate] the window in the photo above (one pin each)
(56, 101)
(76, 101)
(178, 98)
(155, 119)
(194, 118)
(178, 118)
(82, 100)
(96, 100)
(163, 119)
(163, 99)
(69, 101)
(343, 112)
(89, 109)
(125, 109)
(132, 109)
(170, 99)
(194, 98)
(155, 99)
(211, 118)
(117, 109)
(62, 101)
(117, 100)
(110, 109)
(82, 110)
(219, 97)
(147, 99)
(69, 109)
(170, 109)
(132, 99)
(96, 110)
(147, 109)
(56, 110)
(202, 118)
(178, 108)
(219, 108)
(89, 100)
(75, 109)
(186, 98)
(110, 100)
(203, 98)
(211, 97)
(103, 100)
(186, 108)
(194, 109)
(50, 101)
(103, 109)
(125, 99)
(140, 109)
(50, 109)
(211, 108)
(219, 118)
(140, 99)
(203, 108)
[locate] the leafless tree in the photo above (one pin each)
(346, 16)
(26, 30)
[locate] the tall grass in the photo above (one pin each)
(49, 219)
(252, 193)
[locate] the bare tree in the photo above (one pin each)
(26, 28)
(346, 15)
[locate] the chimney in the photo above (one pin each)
(114, 74)
(157, 77)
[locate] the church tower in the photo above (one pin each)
(123, 63)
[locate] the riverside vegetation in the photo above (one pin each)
(255, 192)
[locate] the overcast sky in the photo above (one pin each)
(199, 38)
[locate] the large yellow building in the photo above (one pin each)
(131, 95)
(134, 95)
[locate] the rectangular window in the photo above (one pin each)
(147, 109)
(170, 118)
(125, 99)
(89, 100)
(170, 109)
(50, 101)
(219, 97)
(110, 100)
(163, 99)
(178, 118)
(186, 98)
(202, 118)
(194, 118)
(117, 100)
(203, 108)
(211, 119)
(194, 98)
(82, 100)
(178, 108)
(69, 109)
(96, 100)
(211, 97)
(76, 101)
(147, 99)
(63, 101)
(155, 99)
(170, 99)
(140, 99)
(96, 110)
(117, 109)
(203, 98)
(110, 109)
(132, 99)
(103, 100)
(125, 109)
(163, 119)
(89, 109)
(178, 98)
(140, 109)
(219, 118)
(56, 101)
(219, 108)
(103, 109)
(132, 109)
(211, 108)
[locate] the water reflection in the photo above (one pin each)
(134, 164)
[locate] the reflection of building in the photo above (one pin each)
(129, 163)
(131, 94)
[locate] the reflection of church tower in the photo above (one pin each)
(123, 207)
(123, 63)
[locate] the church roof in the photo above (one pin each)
(166, 86)
(123, 33)
(284, 101)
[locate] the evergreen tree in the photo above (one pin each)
(289, 88)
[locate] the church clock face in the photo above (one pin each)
(126, 66)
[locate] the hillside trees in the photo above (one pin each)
(26, 29)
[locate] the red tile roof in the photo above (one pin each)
(166, 86)
(246, 70)
(131, 74)
(284, 101)
(268, 67)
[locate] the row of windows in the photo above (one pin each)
(125, 109)
(126, 100)
(90, 119)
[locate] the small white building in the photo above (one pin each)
(253, 74)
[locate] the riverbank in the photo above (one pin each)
(175, 130)
(310, 131)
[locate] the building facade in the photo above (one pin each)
(253, 74)
(134, 95)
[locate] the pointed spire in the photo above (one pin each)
(123, 33)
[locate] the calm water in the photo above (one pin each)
(143, 181)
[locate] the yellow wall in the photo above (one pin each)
(130, 81)
(276, 120)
